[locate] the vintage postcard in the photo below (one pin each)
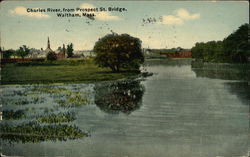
(124, 78)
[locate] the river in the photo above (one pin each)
(182, 110)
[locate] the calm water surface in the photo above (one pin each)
(180, 111)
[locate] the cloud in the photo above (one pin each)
(87, 5)
(19, 10)
(103, 16)
(171, 20)
(185, 15)
(181, 15)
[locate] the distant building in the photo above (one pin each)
(48, 49)
(42, 53)
(61, 54)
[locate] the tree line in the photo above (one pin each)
(24, 51)
(235, 48)
(116, 51)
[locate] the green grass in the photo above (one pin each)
(61, 71)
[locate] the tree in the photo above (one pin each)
(234, 48)
(59, 49)
(23, 51)
(198, 50)
(237, 46)
(118, 51)
(63, 49)
(8, 53)
(70, 50)
(51, 56)
(179, 49)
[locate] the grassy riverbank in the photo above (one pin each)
(60, 71)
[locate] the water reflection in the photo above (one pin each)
(239, 72)
(241, 89)
(221, 71)
(168, 62)
(120, 96)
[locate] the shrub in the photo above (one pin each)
(51, 56)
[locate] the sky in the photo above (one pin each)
(176, 24)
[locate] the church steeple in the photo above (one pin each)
(48, 45)
(48, 49)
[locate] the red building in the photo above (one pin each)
(187, 54)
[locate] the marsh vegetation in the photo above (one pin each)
(11, 114)
(34, 132)
(38, 115)
(56, 118)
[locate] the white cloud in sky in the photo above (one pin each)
(171, 20)
(185, 15)
(181, 15)
(19, 10)
(87, 5)
(103, 16)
